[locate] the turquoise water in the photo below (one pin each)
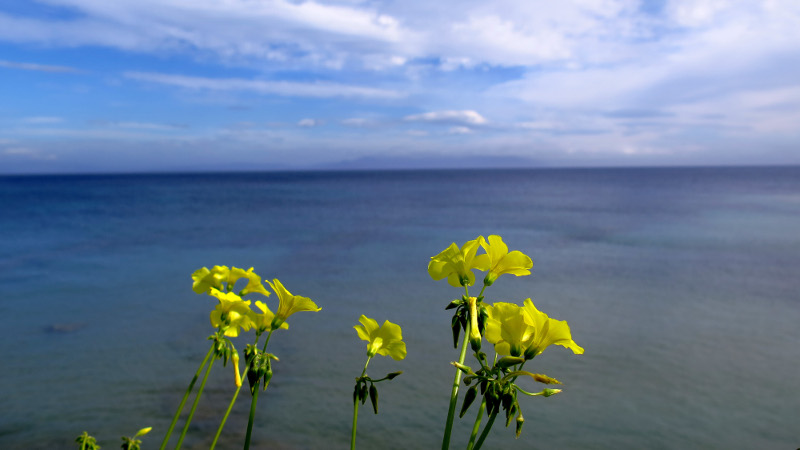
(681, 284)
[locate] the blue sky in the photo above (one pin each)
(141, 85)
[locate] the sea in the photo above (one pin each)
(681, 284)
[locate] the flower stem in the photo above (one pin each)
(454, 394)
(254, 401)
(355, 421)
(233, 400)
(477, 425)
(486, 430)
(185, 396)
(355, 408)
(196, 401)
(230, 407)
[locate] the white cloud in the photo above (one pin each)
(696, 12)
(42, 120)
(36, 67)
(459, 130)
(285, 88)
(147, 126)
(307, 123)
(467, 117)
(359, 122)
(28, 153)
(268, 29)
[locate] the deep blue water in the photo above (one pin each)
(681, 284)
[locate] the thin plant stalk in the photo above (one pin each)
(230, 407)
(355, 409)
(486, 430)
(477, 425)
(254, 401)
(451, 412)
(196, 401)
(454, 393)
(233, 401)
(185, 397)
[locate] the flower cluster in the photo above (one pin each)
(233, 314)
(525, 331)
(456, 263)
(518, 333)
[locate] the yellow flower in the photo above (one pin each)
(204, 279)
(263, 321)
(253, 281)
(289, 304)
(506, 329)
(525, 331)
(548, 331)
(515, 262)
(384, 340)
(231, 313)
(456, 264)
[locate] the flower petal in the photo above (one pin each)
(396, 350)
(367, 330)
(290, 304)
(515, 263)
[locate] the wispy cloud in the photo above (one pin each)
(467, 117)
(147, 126)
(320, 89)
(28, 153)
(37, 67)
(308, 123)
(46, 120)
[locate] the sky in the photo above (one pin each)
(198, 85)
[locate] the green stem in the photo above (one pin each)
(185, 396)
(454, 394)
(355, 421)
(355, 408)
(485, 431)
(233, 400)
(196, 401)
(254, 401)
(230, 407)
(477, 425)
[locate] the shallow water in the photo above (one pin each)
(681, 284)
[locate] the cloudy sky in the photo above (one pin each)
(138, 85)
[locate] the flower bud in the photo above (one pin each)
(470, 396)
(549, 392)
(520, 422)
(474, 332)
(454, 304)
(508, 361)
(236, 374)
(143, 431)
(373, 396)
(466, 369)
